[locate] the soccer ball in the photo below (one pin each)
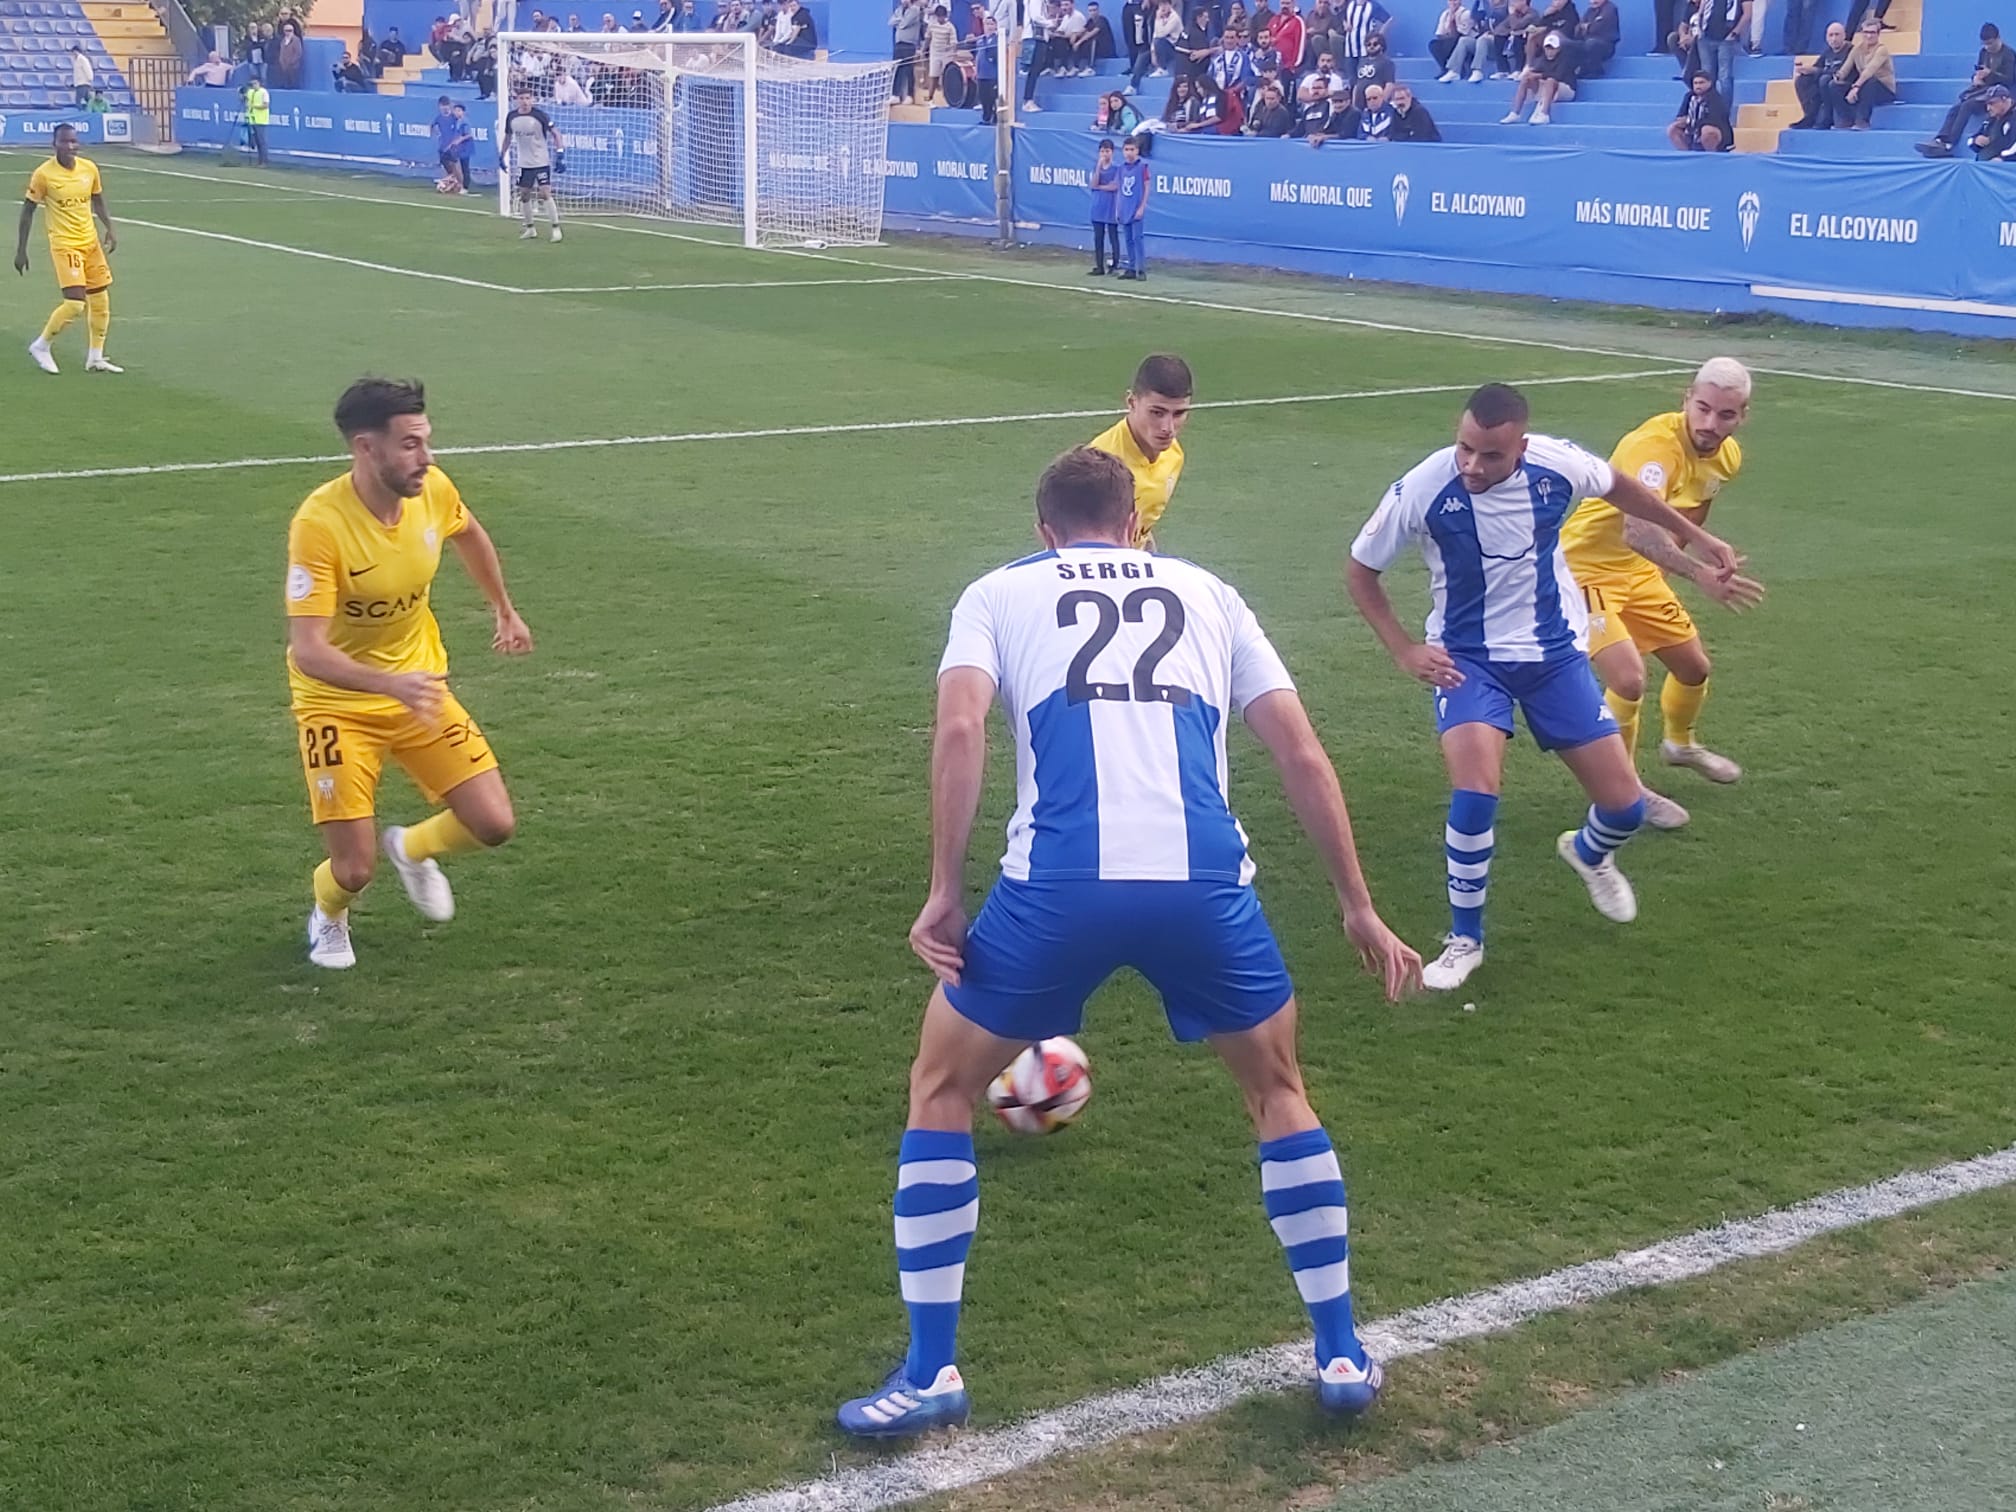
(1045, 1087)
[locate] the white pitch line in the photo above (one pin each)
(845, 428)
(497, 288)
(755, 283)
(970, 1458)
(330, 257)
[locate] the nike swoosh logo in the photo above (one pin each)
(357, 572)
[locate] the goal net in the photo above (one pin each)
(706, 128)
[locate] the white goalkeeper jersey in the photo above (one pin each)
(1117, 670)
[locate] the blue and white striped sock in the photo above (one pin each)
(937, 1210)
(1606, 829)
(1467, 842)
(1304, 1191)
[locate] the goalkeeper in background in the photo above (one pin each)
(529, 137)
(1158, 403)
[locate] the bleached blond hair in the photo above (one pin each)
(1724, 373)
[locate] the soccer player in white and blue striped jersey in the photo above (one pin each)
(1118, 671)
(1508, 627)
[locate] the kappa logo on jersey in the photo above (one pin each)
(1453, 506)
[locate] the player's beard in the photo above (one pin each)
(401, 481)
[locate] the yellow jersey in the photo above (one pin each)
(1154, 481)
(372, 582)
(1660, 454)
(65, 197)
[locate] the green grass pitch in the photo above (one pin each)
(580, 1202)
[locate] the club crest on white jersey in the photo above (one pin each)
(1499, 581)
(1117, 670)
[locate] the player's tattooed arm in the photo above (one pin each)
(1659, 548)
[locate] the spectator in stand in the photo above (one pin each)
(1105, 209)
(1067, 25)
(1810, 81)
(1411, 121)
(1548, 78)
(1320, 82)
(668, 12)
(1321, 120)
(1799, 25)
(1554, 16)
(258, 43)
(941, 45)
(392, 51)
(1168, 31)
(81, 73)
(1289, 40)
(437, 35)
(1266, 56)
(1134, 186)
(1271, 117)
(1375, 116)
(1596, 37)
(609, 26)
(795, 35)
(455, 51)
(906, 27)
(1456, 22)
(1702, 124)
(289, 65)
(1374, 69)
(1198, 44)
(987, 68)
(1322, 31)
(1094, 44)
(1511, 34)
(1861, 8)
(567, 89)
(1359, 23)
(212, 73)
(1868, 79)
(1232, 70)
(1210, 109)
(1724, 25)
(1117, 114)
(1476, 52)
(97, 104)
(1036, 50)
(1995, 65)
(482, 64)
(1139, 26)
(345, 77)
(1995, 142)
(1687, 44)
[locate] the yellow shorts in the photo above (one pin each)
(85, 269)
(1645, 611)
(342, 755)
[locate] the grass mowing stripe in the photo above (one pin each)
(1263, 311)
(857, 427)
(972, 1458)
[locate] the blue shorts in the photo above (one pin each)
(1040, 949)
(1561, 699)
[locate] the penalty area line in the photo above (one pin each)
(971, 1458)
(842, 428)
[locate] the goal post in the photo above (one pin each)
(706, 128)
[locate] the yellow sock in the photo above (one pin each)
(60, 317)
(1680, 706)
(100, 305)
(1625, 712)
(329, 897)
(443, 835)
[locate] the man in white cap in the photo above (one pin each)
(1547, 78)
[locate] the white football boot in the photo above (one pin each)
(1715, 768)
(1609, 889)
(424, 881)
(329, 940)
(1460, 956)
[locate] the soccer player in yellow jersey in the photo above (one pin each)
(69, 191)
(1158, 402)
(367, 669)
(1685, 457)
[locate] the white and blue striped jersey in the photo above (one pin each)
(1497, 577)
(1117, 670)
